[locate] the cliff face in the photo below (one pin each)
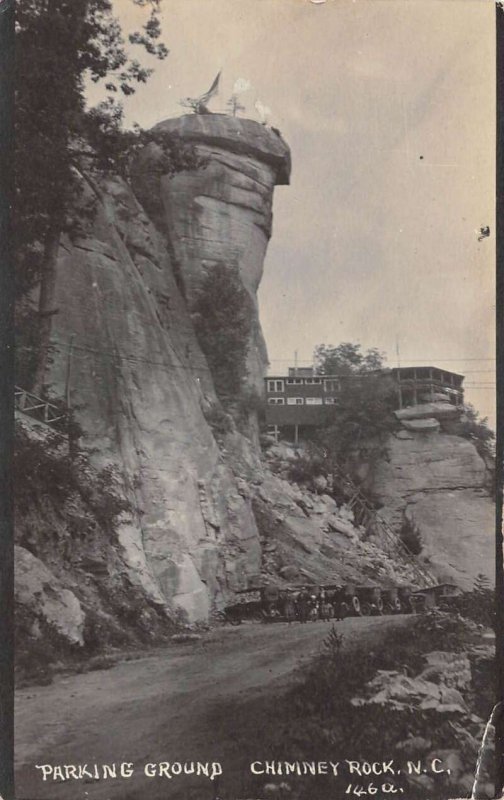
(204, 514)
(221, 212)
(137, 375)
(440, 482)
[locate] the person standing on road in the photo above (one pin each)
(303, 603)
(289, 609)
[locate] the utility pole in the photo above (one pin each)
(397, 351)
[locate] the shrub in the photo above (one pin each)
(249, 402)
(411, 536)
(476, 429)
(218, 419)
(477, 605)
(305, 468)
(222, 316)
(44, 468)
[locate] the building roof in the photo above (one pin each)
(384, 370)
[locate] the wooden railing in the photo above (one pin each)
(42, 410)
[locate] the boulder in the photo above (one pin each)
(428, 425)
(290, 573)
(320, 483)
(440, 481)
(399, 691)
(403, 434)
(439, 410)
(40, 593)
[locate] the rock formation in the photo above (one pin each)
(124, 341)
(221, 212)
(440, 482)
(205, 515)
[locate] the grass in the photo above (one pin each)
(316, 721)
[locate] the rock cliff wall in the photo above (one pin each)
(138, 378)
(440, 482)
(222, 211)
(206, 516)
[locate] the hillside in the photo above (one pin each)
(198, 511)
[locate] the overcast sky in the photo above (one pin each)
(388, 107)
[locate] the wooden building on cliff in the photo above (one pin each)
(303, 399)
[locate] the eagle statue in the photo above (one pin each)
(200, 104)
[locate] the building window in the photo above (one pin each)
(330, 401)
(295, 401)
(295, 381)
(332, 385)
(313, 401)
(275, 386)
(276, 401)
(313, 381)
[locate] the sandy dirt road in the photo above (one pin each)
(193, 702)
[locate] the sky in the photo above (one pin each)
(388, 108)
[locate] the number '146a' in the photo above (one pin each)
(358, 790)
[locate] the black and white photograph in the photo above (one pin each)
(255, 400)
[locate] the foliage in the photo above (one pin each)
(113, 149)
(477, 605)
(43, 468)
(306, 467)
(477, 429)
(26, 337)
(218, 419)
(249, 405)
(361, 419)
(250, 402)
(411, 536)
(222, 316)
(346, 359)
(316, 718)
(61, 44)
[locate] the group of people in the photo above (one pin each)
(304, 606)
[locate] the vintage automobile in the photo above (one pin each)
(312, 602)
(441, 596)
(391, 600)
(248, 608)
(344, 600)
(370, 599)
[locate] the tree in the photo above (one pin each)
(346, 359)
(60, 45)
(222, 317)
(477, 429)
(361, 418)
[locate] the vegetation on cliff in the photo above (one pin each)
(68, 514)
(476, 428)
(361, 417)
(62, 45)
(222, 319)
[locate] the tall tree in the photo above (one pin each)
(60, 45)
(346, 359)
(361, 417)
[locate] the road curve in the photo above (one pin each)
(187, 702)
